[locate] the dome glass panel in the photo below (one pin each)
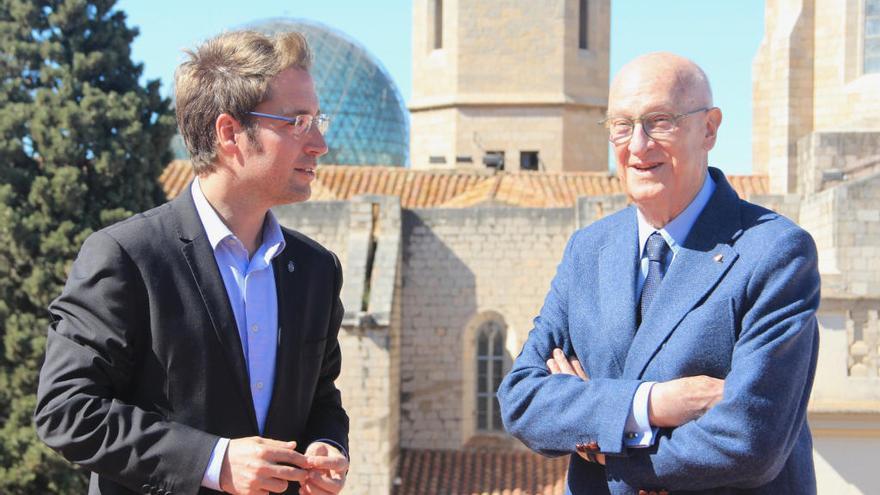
(369, 121)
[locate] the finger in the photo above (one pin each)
(336, 463)
(325, 482)
(579, 369)
(286, 456)
(318, 448)
(322, 485)
(287, 473)
(554, 368)
(269, 442)
(273, 485)
(584, 456)
(311, 489)
(562, 361)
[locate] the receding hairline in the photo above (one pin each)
(690, 83)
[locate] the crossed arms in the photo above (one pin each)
(741, 439)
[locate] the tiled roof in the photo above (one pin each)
(459, 188)
(179, 173)
(537, 189)
(175, 177)
(479, 472)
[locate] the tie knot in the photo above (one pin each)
(656, 247)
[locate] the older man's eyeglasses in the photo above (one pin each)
(300, 124)
(656, 125)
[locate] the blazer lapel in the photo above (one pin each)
(700, 264)
(199, 256)
(618, 263)
(291, 281)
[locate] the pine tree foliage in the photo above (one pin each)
(81, 146)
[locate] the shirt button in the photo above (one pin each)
(255, 328)
(259, 385)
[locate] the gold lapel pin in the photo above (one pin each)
(718, 258)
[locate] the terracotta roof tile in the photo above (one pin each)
(748, 185)
(175, 177)
(459, 188)
(479, 472)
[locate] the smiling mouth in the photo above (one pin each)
(308, 171)
(648, 168)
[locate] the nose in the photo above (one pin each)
(316, 145)
(639, 143)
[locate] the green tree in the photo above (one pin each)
(81, 146)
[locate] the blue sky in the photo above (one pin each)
(721, 36)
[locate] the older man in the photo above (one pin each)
(677, 346)
(194, 347)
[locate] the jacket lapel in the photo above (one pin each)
(199, 256)
(291, 281)
(618, 264)
(700, 264)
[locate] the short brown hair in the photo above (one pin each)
(229, 74)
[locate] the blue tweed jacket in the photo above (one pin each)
(738, 302)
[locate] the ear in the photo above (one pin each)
(713, 122)
(227, 129)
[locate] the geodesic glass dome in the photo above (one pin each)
(369, 121)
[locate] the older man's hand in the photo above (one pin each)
(327, 470)
(561, 365)
(679, 401)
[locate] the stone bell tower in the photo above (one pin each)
(510, 84)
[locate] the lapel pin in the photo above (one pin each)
(290, 266)
(718, 258)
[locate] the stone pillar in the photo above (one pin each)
(370, 341)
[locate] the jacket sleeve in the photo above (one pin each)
(745, 440)
(551, 414)
(98, 335)
(327, 418)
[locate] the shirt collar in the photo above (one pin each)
(217, 231)
(676, 231)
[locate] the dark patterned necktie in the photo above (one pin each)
(656, 250)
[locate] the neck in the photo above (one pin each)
(660, 212)
(244, 218)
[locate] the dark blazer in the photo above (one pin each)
(738, 302)
(144, 367)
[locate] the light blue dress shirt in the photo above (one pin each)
(250, 286)
(639, 432)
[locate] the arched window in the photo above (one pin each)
(490, 371)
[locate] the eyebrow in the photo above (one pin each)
(298, 111)
(625, 115)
